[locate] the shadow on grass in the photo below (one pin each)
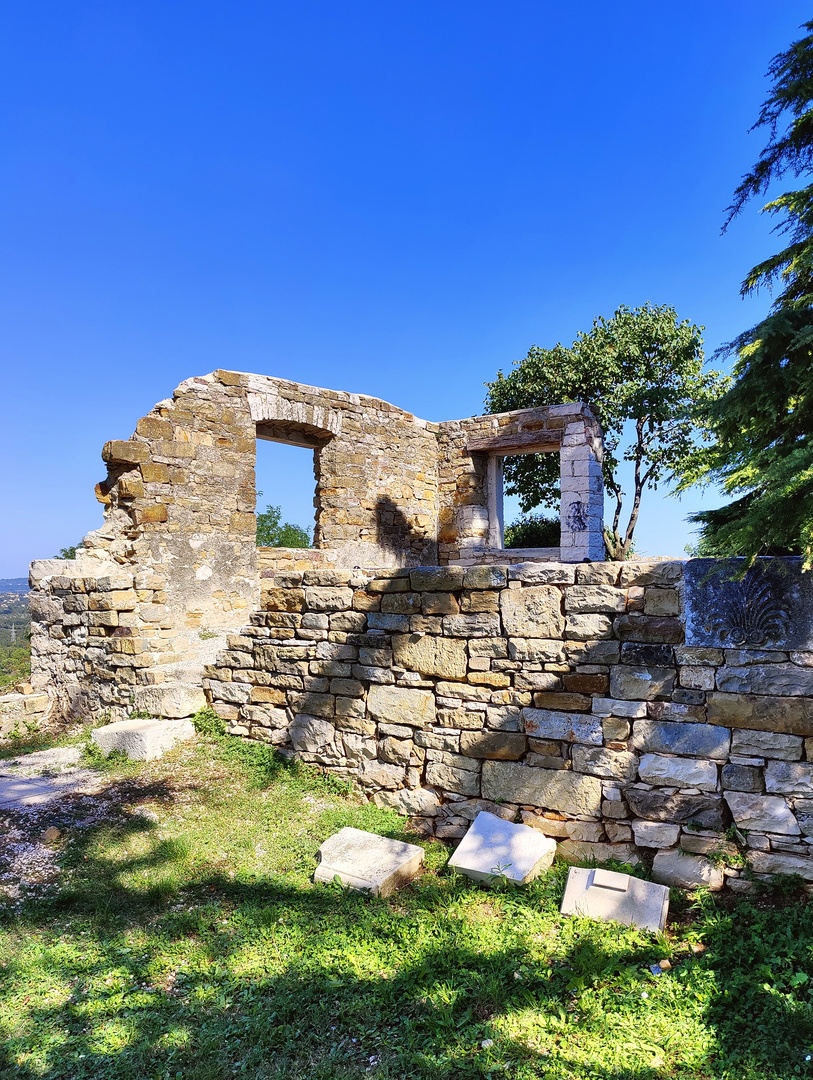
(266, 979)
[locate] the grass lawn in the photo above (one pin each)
(185, 939)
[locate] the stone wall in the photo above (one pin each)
(566, 696)
(174, 567)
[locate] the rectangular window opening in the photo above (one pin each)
(286, 477)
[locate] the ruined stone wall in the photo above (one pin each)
(470, 481)
(175, 564)
(564, 695)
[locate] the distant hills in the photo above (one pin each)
(13, 584)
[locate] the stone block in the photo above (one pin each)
(670, 737)
(437, 578)
(448, 778)
(121, 452)
(484, 577)
(444, 658)
(640, 684)
(562, 702)
(414, 802)
(401, 705)
(379, 774)
(568, 727)
(655, 834)
(368, 863)
(439, 604)
(533, 612)
(615, 729)
(496, 745)
(311, 735)
(471, 626)
(599, 599)
(612, 897)
(662, 770)
(328, 598)
(766, 744)
(657, 629)
(764, 862)
(789, 680)
(767, 606)
(678, 870)
(497, 849)
(170, 700)
(789, 778)
(628, 709)
(784, 715)
(142, 740)
(576, 851)
(761, 813)
(742, 778)
(657, 805)
(580, 627)
(566, 792)
(608, 764)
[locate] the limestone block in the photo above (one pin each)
(575, 851)
(679, 870)
(436, 578)
(121, 452)
(612, 897)
(142, 740)
(615, 729)
(769, 744)
(484, 625)
(764, 862)
(415, 802)
(448, 778)
(498, 745)
(567, 792)
(442, 657)
(484, 577)
(569, 727)
(603, 599)
(368, 863)
(328, 598)
(579, 627)
(494, 848)
(668, 737)
(533, 612)
(373, 773)
(531, 573)
(762, 813)
(780, 679)
(628, 709)
(657, 629)
(608, 764)
(170, 700)
(639, 654)
(789, 778)
(663, 770)
(401, 705)
(559, 701)
(232, 692)
(742, 778)
(310, 735)
(640, 684)
(395, 751)
(787, 715)
(658, 805)
(655, 834)
(439, 604)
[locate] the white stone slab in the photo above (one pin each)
(613, 897)
(368, 863)
(494, 848)
(142, 740)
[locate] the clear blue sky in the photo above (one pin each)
(390, 198)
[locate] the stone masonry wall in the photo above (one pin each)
(565, 696)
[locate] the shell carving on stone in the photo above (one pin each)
(748, 614)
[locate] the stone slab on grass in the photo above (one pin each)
(368, 863)
(611, 897)
(142, 740)
(495, 848)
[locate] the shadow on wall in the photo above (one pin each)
(395, 535)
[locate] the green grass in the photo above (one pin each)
(198, 947)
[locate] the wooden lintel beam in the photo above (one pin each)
(524, 442)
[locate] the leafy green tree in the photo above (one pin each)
(532, 531)
(67, 552)
(272, 533)
(763, 426)
(642, 373)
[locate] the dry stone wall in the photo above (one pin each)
(565, 696)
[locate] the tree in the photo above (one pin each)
(67, 552)
(641, 372)
(763, 426)
(270, 533)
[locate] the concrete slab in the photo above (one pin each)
(494, 848)
(368, 863)
(612, 897)
(142, 740)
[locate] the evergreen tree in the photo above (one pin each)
(763, 426)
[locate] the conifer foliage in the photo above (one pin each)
(763, 426)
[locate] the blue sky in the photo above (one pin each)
(389, 198)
